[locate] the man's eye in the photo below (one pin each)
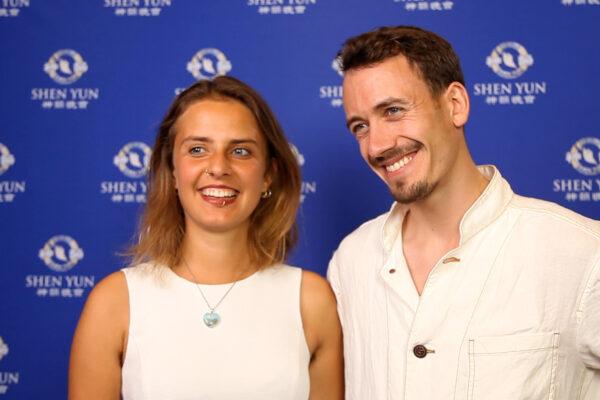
(359, 129)
(392, 110)
(240, 151)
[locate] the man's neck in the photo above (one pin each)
(431, 226)
(439, 215)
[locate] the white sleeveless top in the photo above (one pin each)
(257, 352)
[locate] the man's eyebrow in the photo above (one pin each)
(352, 120)
(385, 103)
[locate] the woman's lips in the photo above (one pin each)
(219, 196)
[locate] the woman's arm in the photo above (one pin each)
(99, 342)
(324, 337)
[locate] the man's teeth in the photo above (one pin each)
(213, 192)
(398, 164)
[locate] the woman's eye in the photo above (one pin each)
(239, 151)
(196, 150)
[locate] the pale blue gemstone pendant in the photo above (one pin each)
(211, 319)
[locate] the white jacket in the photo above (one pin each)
(512, 313)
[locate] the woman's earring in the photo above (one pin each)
(266, 194)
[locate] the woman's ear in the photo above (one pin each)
(270, 172)
(175, 183)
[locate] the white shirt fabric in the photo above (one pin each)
(512, 313)
(258, 351)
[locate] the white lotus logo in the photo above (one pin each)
(61, 253)
(509, 60)
(208, 63)
(65, 66)
(299, 157)
(336, 64)
(133, 160)
(6, 159)
(584, 156)
(3, 348)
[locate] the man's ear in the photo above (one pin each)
(457, 99)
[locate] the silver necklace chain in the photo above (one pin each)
(202, 293)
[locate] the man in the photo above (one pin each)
(464, 290)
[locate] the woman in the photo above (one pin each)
(210, 311)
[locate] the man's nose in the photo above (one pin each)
(380, 140)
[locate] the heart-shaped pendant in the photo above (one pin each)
(211, 319)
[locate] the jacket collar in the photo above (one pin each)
(487, 208)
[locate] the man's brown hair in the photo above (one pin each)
(433, 57)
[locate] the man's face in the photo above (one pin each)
(405, 135)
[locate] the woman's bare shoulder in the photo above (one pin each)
(316, 290)
(110, 292)
(100, 341)
(318, 308)
(107, 306)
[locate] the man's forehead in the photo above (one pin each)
(377, 82)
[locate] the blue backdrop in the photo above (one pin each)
(84, 85)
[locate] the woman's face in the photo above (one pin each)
(220, 165)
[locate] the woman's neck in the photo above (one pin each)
(215, 257)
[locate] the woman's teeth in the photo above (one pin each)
(221, 193)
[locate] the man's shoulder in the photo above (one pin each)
(362, 247)
(370, 231)
(550, 214)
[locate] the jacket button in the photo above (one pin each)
(420, 351)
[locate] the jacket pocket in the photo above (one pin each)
(513, 367)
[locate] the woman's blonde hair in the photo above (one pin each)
(272, 231)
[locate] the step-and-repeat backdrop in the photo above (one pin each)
(84, 84)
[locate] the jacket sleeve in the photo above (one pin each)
(334, 280)
(588, 332)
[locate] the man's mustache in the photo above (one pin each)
(396, 152)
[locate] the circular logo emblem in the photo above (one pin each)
(133, 159)
(6, 159)
(65, 66)
(297, 154)
(336, 64)
(584, 156)
(509, 60)
(61, 253)
(208, 63)
(3, 348)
